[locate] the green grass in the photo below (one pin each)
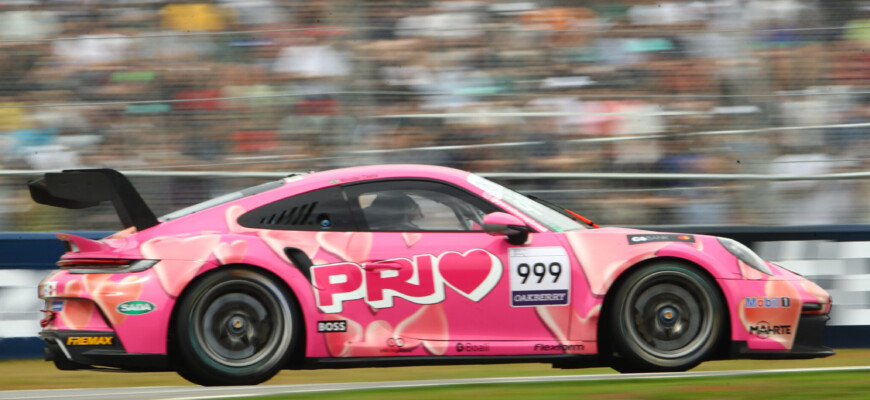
(37, 374)
(826, 385)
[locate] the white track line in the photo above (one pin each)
(202, 393)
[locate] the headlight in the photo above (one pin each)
(745, 254)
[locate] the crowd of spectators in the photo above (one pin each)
(625, 86)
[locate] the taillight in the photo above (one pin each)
(104, 265)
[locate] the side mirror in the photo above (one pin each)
(499, 223)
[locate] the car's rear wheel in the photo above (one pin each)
(666, 317)
(234, 327)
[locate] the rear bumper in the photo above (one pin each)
(807, 343)
(97, 349)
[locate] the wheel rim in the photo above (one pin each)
(239, 323)
(669, 315)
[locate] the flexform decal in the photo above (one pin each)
(472, 274)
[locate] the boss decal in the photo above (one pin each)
(89, 341)
(422, 280)
(136, 307)
(331, 326)
(641, 239)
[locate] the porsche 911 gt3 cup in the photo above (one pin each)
(402, 265)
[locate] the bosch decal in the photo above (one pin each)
(768, 302)
(472, 347)
(765, 330)
(331, 326)
(641, 239)
(539, 276)
(421, 280)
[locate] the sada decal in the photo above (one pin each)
(472, 274)
(136, 307)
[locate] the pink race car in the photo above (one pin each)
(402, 265)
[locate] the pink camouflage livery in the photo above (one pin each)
(309, 272)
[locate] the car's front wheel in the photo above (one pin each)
(234, 327)
(666, 317)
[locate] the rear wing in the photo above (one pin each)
(83, 188)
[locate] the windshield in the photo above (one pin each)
(222, 200)
(548, 217)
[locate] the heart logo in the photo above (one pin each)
(93, 281)
(76, 314)
(567, 324)
(232, 217)
(473, 274)
(427, 326)
(109, 294)
(375, 339)
(557, 319)
(181, 258)
(231, 253)
(339, 343)
(347, 246)
(411, 238)
(279, 240)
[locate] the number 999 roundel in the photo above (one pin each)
(402, 265)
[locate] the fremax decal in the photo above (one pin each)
(472, 274)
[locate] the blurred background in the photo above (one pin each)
(730, 94)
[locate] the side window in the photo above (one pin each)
(402, 206)
(320, 210)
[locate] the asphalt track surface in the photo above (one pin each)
(197, 392)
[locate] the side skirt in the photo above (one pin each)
(558, 360)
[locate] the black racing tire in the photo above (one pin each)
(234, 327)
(666, 317)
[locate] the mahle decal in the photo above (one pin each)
(136, 307)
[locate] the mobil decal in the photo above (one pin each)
(422, 280)
(768, 302)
